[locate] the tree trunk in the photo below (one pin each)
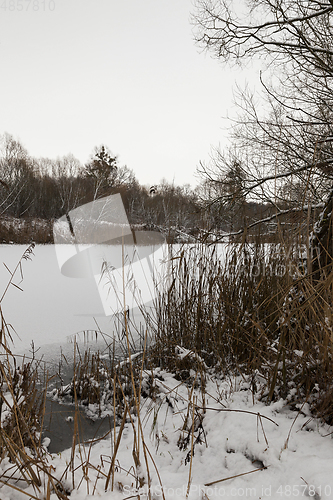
(322, 242)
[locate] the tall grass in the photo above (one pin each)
(257, 311)
(99, 382)
(22, 408)
(253, 309)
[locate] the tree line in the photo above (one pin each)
(45, 189)
(36, 191)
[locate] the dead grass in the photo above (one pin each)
(258, 313)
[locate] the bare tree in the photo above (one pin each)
(290, 143)
(66, 171)
(16, 174)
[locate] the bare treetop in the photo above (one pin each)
(297, 31)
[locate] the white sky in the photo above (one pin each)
(125, 73)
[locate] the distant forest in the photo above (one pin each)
(34, 192)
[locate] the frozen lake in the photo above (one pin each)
(51, 307)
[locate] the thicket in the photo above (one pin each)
(36, 192)
(43, 190)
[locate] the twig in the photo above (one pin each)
(237, 475)
(239, 411)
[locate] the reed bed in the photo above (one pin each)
(258, 312)
(250, 309)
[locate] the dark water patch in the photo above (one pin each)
(59, 426)
(56, 368)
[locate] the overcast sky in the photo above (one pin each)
(78, 73)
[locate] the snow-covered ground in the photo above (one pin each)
(242, 449)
